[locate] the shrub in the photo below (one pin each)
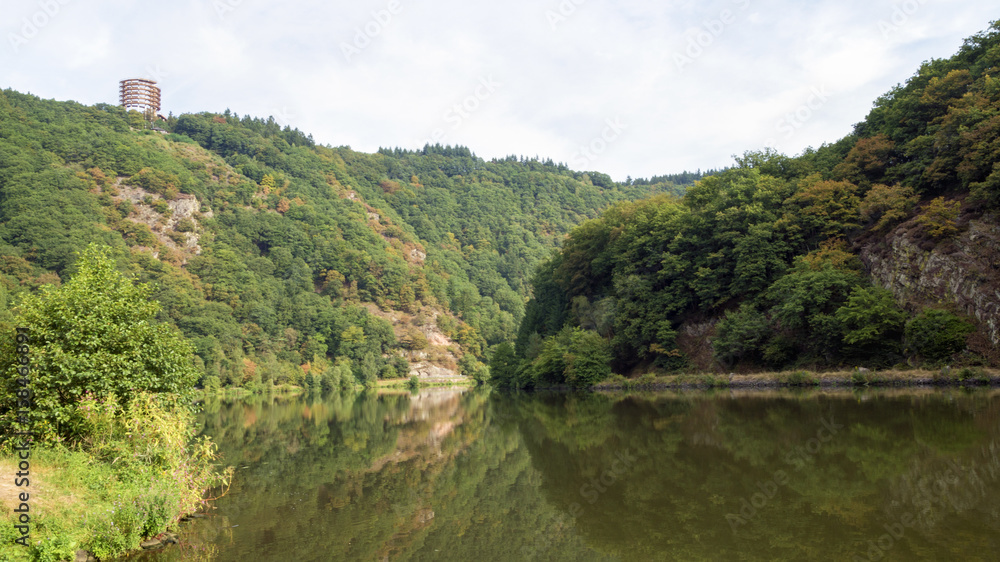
(741, 334)
(185, 225)
(94, 334)
(973, 374)
(503, 366)
(935, 335)
(212, 384)
(162, 207)
(160, 470)
(872, 324)
(801, 378)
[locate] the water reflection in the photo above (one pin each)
(453, 475)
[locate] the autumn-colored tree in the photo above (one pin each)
(939, 217)
(267, 184)
(886, 205)
(824, 208)
(867, 161)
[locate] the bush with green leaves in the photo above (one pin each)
(96, 334)
(740, 335)
(934, 335)
(575, 357)
(470, 367)
(873, 324)
(212, 384)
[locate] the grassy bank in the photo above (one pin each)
(417, 382)
(134, 472)
(966, 376)
(228, 392)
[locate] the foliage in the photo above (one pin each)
(935, 335)
(574, 357)
(768, 246)
(872, 322)
(884, 206)
(740, 335)
(97, 334)
(437, 230)
(503, 366)
(471, 367)
(939, 217)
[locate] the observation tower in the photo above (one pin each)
(140, 94)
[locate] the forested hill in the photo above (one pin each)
(270, 252)
(879, 249)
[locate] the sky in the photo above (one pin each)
(629, 88)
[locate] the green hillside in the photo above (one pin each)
(270, 252)
(878, 249)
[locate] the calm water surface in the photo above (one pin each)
(474, 476)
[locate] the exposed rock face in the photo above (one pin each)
(694, 338)
(963, 271)
(184, 206)
(428, 370)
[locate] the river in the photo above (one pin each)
(479, 476)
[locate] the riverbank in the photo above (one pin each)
(426, 383)
(965, 376)
(126, 481)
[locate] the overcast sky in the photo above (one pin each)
(633, 87)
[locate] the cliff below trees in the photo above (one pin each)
(960, 271)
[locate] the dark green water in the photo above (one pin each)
(446, 475)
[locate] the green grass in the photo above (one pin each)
(131, 474)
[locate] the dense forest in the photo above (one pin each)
(281, 260)
(771, 261)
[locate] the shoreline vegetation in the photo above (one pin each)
(134, 474)
(856, 378)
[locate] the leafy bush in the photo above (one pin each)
(580, 358)
(185, 225)
(860, 378)
(95, 334)
(872, 324)
(801, 378)
(160, 469)
(935, 335)
(740, 335)
(162, 207)
(212, 384)
(503, 366)
(973, 374)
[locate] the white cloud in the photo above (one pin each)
(600, 61)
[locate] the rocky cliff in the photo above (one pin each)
(961, 271)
